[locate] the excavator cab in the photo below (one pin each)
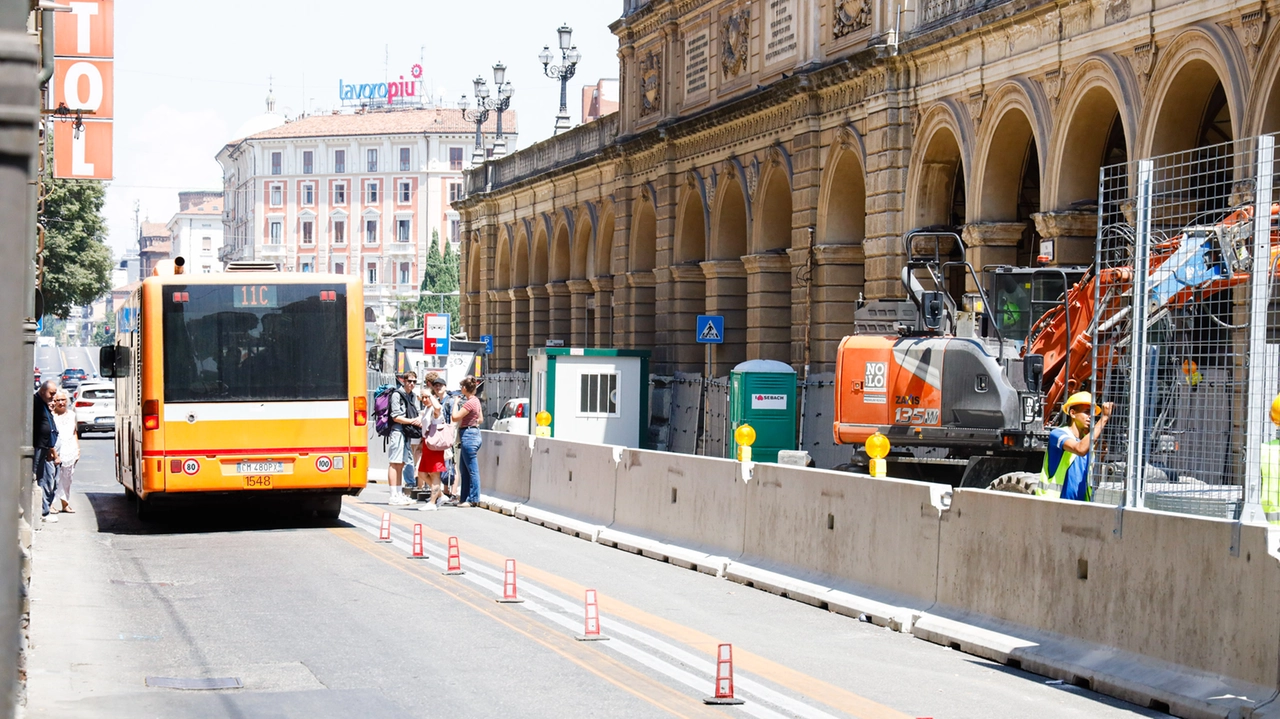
(1020, 296)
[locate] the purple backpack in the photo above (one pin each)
(382, 409)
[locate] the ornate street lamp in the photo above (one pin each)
(484, 104)
(569, 57)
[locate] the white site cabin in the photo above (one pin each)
(598, 396)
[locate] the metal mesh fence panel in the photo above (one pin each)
(1184, 342)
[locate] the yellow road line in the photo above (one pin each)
(799, 682)
(589, 658)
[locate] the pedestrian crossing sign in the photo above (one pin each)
(710, 329)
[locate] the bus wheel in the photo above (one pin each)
(330, 507)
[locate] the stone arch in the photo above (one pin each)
(936, 177)
(583, 245)
(681, 286)
(768, 267)
(501, 300)
(691, 224)
(600, 262)
(1096, 129)
(729, 224)
(642, 255)
(772, 231)
(559, 303)
(539, 267)
(520, 259)
(502, 268)
(600, 270)
(1193, 79)
(842, 199)
(560, 266)
(1004, 188)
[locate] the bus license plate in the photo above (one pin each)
(259, 467)
(257, 482)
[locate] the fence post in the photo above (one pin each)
(1135, 457)
(1259, 397)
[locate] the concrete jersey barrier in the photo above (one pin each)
(696, 502)
(506, 465)
(880, 533)
(575, 479)
(1160, 585)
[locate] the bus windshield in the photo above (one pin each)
(255, 342)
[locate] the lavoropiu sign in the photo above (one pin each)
(368, 93)
(84, 48)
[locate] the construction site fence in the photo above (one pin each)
(1191, 372)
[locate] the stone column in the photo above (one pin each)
(839, 276)
(888, 139)
(1068, 237)
(538, 311)
(499, 309)
(768, 306)
(603, 330)
(559, 313)
(519, 327)
(685, 287)
(633, 317)
(580, 335)
(727, 296)
(991, 243)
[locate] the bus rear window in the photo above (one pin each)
(218, 347)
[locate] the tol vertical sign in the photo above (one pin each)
(84, 80)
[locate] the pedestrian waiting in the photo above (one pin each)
(406, 425)
(44, 438)
(437, 437)
(67, 448)
(468, 417)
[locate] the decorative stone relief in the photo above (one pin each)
(851, 16)
(1144, 58)
(651, 82)
(1077, 18)
(735, 42)
(753, 176)
(1251, 30)
(711, 188)
(975, 105)
(1052, 83)
(1116, 10)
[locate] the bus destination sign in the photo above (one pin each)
(254, 296)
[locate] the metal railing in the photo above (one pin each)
(1193, 369)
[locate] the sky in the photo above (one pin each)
(187, 75)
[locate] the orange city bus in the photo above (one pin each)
(247, 382)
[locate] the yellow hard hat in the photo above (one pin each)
(1079, 398)
(1275, 410)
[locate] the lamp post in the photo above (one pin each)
(569, 57)
(484, 104)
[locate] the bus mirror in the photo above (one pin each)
(933, 306)
(107, 361)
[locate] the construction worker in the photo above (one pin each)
(1066, 461)
(1271, 470)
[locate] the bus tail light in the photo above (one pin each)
(175, 466)
(150, 414)
(362, 411)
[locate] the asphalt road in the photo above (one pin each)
(318, 621)
(52, 360)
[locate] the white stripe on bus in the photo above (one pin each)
(233, 411)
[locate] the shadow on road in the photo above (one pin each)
(115, 514)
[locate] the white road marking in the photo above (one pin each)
(744, 685)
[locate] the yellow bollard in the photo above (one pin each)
(877, 447)
(745, 436)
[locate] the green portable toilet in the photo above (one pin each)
(762, 393)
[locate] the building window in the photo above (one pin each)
(207, 243)
(277, 196)
(373, 160)
(308, 194)
(404, 159)
(406, 192)
(340, 194)
(308, 161)
(373, 273)
(371, 232)
(372, 192)
(402, 231)
(339, 232)
(308, 236)
(339, 268)
(455, 192)
(276, 229)
(306, 266)
(599, 395)
(276, 161)
(339, 160)
(455, 231)
(455, 158)
(404, 273)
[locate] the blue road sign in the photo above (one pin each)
(40, 325)
(488, 343)
(710, 329)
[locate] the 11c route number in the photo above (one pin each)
(907, 415)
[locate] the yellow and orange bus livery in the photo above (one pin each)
(247, 382)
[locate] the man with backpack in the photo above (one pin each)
(401, 424)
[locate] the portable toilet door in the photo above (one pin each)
(763, 395)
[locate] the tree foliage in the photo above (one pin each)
(77, 261)
(440, 275)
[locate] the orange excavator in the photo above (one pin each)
(966, 394)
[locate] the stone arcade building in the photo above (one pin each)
(769, 155)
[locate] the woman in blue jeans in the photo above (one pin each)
(468, 417)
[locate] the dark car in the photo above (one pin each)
(71, 378)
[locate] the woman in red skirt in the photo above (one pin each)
(432, 463)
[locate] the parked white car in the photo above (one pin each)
(514, 417)
(95, 406)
